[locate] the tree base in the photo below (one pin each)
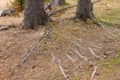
(92, 18)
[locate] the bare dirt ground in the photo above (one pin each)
(4, 4)
(67, 36)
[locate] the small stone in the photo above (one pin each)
(1, 11)
(6, 12)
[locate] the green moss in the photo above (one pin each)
(111, 62)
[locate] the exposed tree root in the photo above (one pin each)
(88, 61)
(83, 57)
(100, 24)
(78, 45)
(29, 53)
(60, 10)
(97, 22)
(94, 54)
(94, 72)
(6, 27)
(76, 67)
(62, 70)
(97, 46)
(92, 64)
(69, 57)
(53, 59)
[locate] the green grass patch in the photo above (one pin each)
(112, 17)
(46, 0)
(111, 62)
(108, 68)
(65, 3)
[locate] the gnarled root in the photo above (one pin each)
(98, 23)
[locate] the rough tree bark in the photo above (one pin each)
(34, 14)
(54, 3)
(85, 11)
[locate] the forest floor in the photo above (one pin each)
(67, 38)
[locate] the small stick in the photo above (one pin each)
(78, 45)
(62, 70)
(94, 72)
(93, 53)
(96, 46)
(77, 67)
(53, 59)
(83, 57)
(80, 55)
(69, 57)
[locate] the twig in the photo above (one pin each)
(94, 72)
(97, 46)
(55, 12)
(53, 59)
(93, 53)
(62, 70)
(76, 67)
(29, 53)
(87, 60)
(78, 45)
(69, 57)
(83, 57)
(80, 55)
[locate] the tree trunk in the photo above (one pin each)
(34, 14)
(84, 10)
(54, 3)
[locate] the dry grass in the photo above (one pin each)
(4, 4)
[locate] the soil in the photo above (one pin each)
(67, 36)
